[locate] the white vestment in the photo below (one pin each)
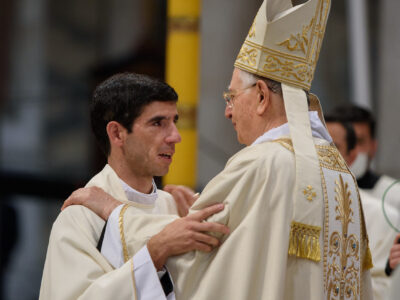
(392, 197)
(394, 290)
(381, 237)
(75, 269)
(257, 187)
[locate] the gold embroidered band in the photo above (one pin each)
(125, 248)
(304, 241)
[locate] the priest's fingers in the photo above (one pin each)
(188, 194)
(206, 239)
(210, 227)
(206, 212)
(194, 198)
(394, 256)
(397, 239)
(394, 262)
(395, 250)
(202, 247)
(181, 203)
(183, 196)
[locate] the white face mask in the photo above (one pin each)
(360, 165)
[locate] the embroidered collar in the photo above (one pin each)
(317, 128)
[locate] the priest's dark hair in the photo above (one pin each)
(122, 98)
(351, 139)
(355, 114)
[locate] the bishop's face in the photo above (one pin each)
(242, 107)
(149, 147)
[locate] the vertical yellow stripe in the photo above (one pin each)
(182, 72)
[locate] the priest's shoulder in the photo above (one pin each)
(78, 218)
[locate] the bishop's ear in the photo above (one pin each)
(263, 97)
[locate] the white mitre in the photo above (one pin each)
(283, 44)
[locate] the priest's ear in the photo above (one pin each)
(263, 97)
(116, 134)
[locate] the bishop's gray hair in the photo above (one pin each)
(275, 86)
(248, 79)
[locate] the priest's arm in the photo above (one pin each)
(75, 269)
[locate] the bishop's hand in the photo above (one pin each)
(93, 198)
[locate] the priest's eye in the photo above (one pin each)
(157, 123)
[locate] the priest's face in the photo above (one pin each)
(365, 142)
(241, 108)
(339, 137)
(149, 147)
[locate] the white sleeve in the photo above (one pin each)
(147, 280)
(111, 248)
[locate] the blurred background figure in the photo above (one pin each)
(53, 53)
(394, 256)
(380, 234)
(366, 148)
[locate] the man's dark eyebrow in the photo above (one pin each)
(156, 119)
(160, 118)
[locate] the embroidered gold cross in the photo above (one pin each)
(309, 193)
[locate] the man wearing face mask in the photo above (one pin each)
(364, 126)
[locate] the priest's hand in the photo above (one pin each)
(186, 234)
(93, 198)
(184, 197)
(394, 256)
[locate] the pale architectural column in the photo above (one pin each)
(22, 123)
(389, 89)
(22, 141)
(224, 26)
(125, 26)
(359, 53)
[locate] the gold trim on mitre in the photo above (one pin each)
(284, 42)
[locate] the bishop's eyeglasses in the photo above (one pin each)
(229, 96)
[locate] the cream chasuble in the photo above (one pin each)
(74, 268)
(257, 187)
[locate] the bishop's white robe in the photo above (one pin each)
(75, 269)
(257, 187)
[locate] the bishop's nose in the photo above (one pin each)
(228, 112)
